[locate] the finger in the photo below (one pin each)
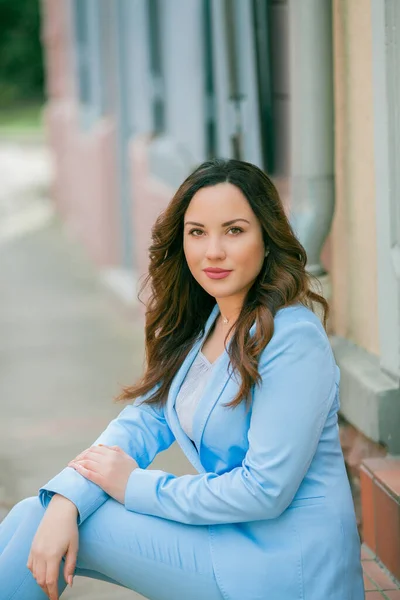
(101, 454)
(90, 475)
(81, 454)
(97, 452)
(70, 564)
(96, 449)
(113, 448)
(39, 573)
(92, 465)
(118, 449)
(93, 451)
(52, 579)
(101, 449)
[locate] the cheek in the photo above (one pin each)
(250, 255)
(192, 253)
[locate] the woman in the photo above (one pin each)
(241, 374)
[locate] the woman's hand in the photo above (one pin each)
(56, 536)
(107, 466)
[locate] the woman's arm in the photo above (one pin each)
(290, 408)
(141, 431)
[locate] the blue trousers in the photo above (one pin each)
(160, 559)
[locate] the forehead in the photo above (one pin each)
(223, 200)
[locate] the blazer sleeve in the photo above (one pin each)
(289, 411)
(140, 430)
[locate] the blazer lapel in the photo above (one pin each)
(215, 386)
(183, 440)
(220, 376)
(212, 392)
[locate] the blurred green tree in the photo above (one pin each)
(21, 59)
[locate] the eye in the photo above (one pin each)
(236, 230)
(193, 232)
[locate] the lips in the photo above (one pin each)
(216, 273)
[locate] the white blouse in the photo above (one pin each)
(191, 392)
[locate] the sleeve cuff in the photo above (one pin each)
(86, 495)
(141, 491)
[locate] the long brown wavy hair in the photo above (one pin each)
(178, 307)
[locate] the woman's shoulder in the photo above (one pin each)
(298, 335)
(296, 315)
(297, 323)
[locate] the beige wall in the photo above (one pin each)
(353, 258)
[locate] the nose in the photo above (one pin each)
(215, 250)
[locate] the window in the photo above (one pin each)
(156, 67)
(209, 84)
(264, 91)
(87, 28)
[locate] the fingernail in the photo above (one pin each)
(70, 580)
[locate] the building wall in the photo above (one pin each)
(364, 287)
(126, 132)
(85, 185)
(353, 239)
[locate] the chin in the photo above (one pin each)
(220, 289)
(219, 292)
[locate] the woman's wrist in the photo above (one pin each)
(61, 501)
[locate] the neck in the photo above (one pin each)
(229, 313)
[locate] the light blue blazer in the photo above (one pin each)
(271, 483)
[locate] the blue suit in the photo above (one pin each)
(271, 489)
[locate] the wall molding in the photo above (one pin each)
(370, 399)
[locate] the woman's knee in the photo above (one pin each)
(28, 512)
(31, 507)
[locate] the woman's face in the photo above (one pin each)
(222, 233)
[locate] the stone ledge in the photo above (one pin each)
(370, 399)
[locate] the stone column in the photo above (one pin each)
(312, 148)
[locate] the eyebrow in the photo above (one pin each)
(223, 224)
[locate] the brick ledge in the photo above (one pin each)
(380, 501)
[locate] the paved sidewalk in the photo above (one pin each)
(65, 349)
(379, 584)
